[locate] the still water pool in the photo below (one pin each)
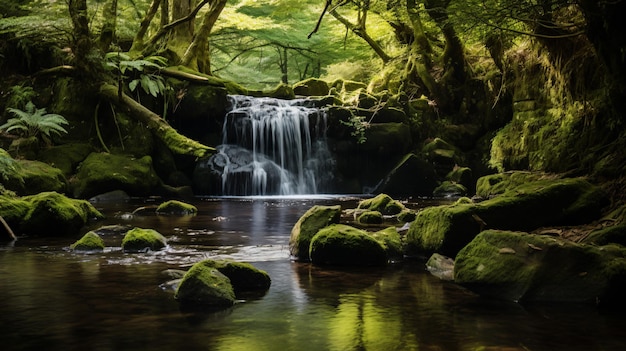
(54, 299)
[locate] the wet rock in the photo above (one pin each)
(243, 276)
(111, 196)
(448, 228)
(382, 203)
(525, 267)
(91, 241)
(450, 189)
(441, 267)
(370, 217)
(314, 219)
(174, 207)
(412, 176)
(102, 172)
(340, 244)
(205, 287)
(142, 240)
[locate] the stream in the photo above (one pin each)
(55, 299)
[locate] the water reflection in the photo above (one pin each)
(55, 299)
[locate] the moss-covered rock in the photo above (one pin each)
(449, 188)
(103, 172)
(412, 176)
(38, 177)
(441, 266)
(519, 266)
(175, 207)
(391, 241)
(141, 240)
(463, 176)
(314, 219)
(52, 214)
(340, 244)
(448, 228)
(407, 216)
(311, 87)
(370, 217)
(205, 287)
(65, 157)
(243, 276)
(91, 241)
(613, 230)
(382, 203)
(496, 184)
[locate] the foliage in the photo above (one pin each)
(8, 167)
(34, 122)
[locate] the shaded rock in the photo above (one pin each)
(463, 176)
(407, 216)
(442, 155)
(370, 217)
(412, 176)
(51, 214)
(91, 241)
(32, 177)
(142, 240)
(387, 139)
(450, 189)
(311, 87)
(65, 157)
(382, 203)
(114, 229)
(314, 219)
(111, 196)
(448, 228)
(340, 244)
(524, 267)
(391, 241)
(174, 207)
(102, 172)
(496, 184)
(205, 287)
(243, 276)
(441, 267)
(613, 230)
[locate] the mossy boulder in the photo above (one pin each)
(32, 177)
(612, 230)
(382, 203)
(175, 207)
(370, 217)
(450, 189)
(311, 87)
(387, 139)
(314, 219)
(496, 184)
(53, 214)
(407, 216)
(412, 176)
(525, 267)
(443, 155)
(141, 240)
(91, 241)
(391, 241)
(204, 286)
(340, 244)
(65, 157)
(103, 172)
(463, 176)
(243, 276)
(448, 228)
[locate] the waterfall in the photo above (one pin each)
(273, 147)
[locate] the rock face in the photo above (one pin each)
(340, 244)
(89, 242)
(174, 207)
(141, 240)
(102, 172)
(411, 176)
(519, 266)
(316, 218)
(446, 229)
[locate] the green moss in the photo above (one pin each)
(370, 217)
(311, 87)
(89, 242)
(205, 286)
(243, 276)
(51, 213)
(339, 244)
(13, 210)
(449, 188)
(65, 157)
(495, 184)
(314, 219)
(406, 216)
(139, 240)
(39, 177)
(391, 241)
(102, 172)
(382, 203)
(175, 207)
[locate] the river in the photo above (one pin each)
(55, 299)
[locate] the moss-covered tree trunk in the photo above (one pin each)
(197, 54)
(107, 33)
(138, 40)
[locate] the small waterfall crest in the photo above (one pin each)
(272, 147)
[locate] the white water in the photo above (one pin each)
(273, 147)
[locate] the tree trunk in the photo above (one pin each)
(107, 33)
(82, 36)
(138, 41)
(197, 55)
(362, 33)
(177, 143)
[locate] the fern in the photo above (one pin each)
(9, 168)
(34, 122)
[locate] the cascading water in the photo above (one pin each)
(272, 147)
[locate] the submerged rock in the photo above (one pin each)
(340, 244)
(175, 207)
(441, 267)
(524, 267)
(141, 240)
(89, 242)
(448, 228)
(314, 219)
